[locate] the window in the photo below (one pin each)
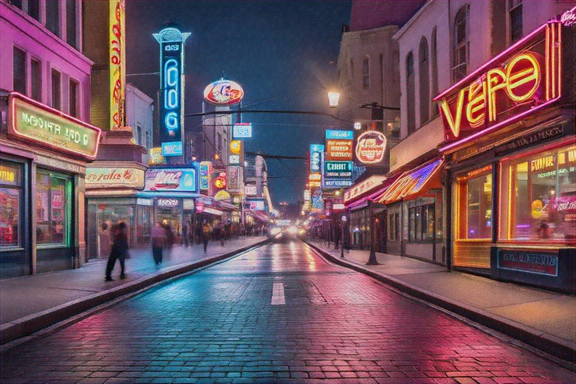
(74, 98)
(36, 79)
(411, 110)
(475, 204)
(421, 220)
(19, 75)
(71, 23)
(381, 71)
(138, 134)
(539, 197)
(56, 89)
(394, 226)
(424, 89)
(52, 208)
(461, 44)
(16, 3)
(515, 15)
(10, 204)
(53, 16)
(366, 73)
(34, 9)
(147, 143)
(351, 68)
(434, 63)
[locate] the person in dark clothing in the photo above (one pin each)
(119, 251)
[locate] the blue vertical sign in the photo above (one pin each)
(171, 89)
(316, 152)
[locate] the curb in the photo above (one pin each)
(27, 325)
(547, 343)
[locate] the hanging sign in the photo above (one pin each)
(223, 92)
(371, 147)
(32, 121)
(172, 179)
(242, 131)
(339, 150)
(316, 151)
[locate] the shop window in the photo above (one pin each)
(394, 226)
(19, 71)
(539, 197)
(53, 208)
(475, 204)
(421, 220)
(10, 204)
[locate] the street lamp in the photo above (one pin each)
(344, 218)
(333, 98)
(372, 258)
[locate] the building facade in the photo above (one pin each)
(46, 140)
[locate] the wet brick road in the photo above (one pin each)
(276, 314)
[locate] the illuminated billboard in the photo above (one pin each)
(223, 92)
(172, 89)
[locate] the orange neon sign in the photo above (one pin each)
(510, 85)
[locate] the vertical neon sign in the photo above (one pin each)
(171, 89)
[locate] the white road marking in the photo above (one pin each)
(278, 294)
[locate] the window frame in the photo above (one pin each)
(515, 6)
(19, 187)
(67, 207)
(366, 73)
(460, 68)
(56, 91)
(22, 74)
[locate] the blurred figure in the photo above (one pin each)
(119, 251)
(105, 240)
(158, 240)
(206, 233)
(185, 234)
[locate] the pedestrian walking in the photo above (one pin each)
(185, 234)
(158, 240)
(119, 251)
(206, 233)
(105, 241)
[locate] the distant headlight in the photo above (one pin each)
(302, 231)
(275, 231)
(292, 230)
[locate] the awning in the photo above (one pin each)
(212, 211)
(374, 193)
(414, 183)
(258, 215)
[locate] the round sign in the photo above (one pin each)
(223, 92)
(220, 182)
(371, 147)
(222, 195)
(235, 146)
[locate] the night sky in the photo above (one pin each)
(283, 53)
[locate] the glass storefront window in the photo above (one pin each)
(475, 204)
(10, 204)
(539, 197)
(421, 219)
(53, 208)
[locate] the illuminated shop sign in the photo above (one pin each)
(234, 182)
(172, 179)
(242, 131)
(9, 175)
(335, 183)
(236, 147)
(35, 122)
(516, 83)
(568, 18)
(363, 187)
(256, 205)
(371, 147)
(114, 177)
(117, 64)
(339, 150)
(220, 181)
(335, 135)
(172, 89)
(205, 175)
(338, 169)
(156, 157)
(250, 190)
(529, 262)
(317, 202)
(222, 196)
(223, 92)
(167, 203)
(316, 151)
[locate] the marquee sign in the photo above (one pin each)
(172, 89)
(514, 84)
(371, 147)
(42, 125)
(223, 92)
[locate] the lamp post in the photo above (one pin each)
(344, 219)
(372, 258)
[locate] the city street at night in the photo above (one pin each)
(279, 313)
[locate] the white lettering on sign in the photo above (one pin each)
(167, 203)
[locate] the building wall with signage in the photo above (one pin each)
(139, 116)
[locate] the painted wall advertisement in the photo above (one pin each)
(172, 179)
(115, 177)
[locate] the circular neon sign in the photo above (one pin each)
(371, 147)
(223, 92)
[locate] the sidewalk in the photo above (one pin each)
(30, 303)
(543, 319)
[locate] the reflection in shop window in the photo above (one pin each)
(52, 209)
(539, 197)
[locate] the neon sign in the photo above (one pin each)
(171, 75)
(371, 147)
(510, 86)
(568, 18)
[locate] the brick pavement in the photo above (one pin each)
(218, 326)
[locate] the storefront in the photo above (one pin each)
(43, 156)
(415, 204)
(513, 178)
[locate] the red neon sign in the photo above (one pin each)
(512, 85)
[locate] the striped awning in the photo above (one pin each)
(414, 183)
